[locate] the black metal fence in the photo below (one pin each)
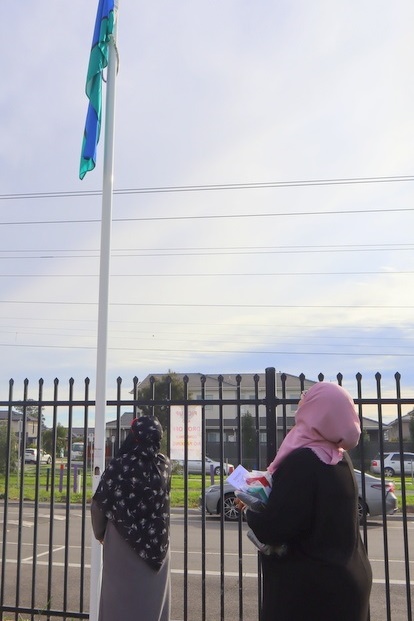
(45, 551)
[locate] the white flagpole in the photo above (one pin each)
(103, 303)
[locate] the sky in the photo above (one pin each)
(263, 186)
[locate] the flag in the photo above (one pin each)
(98, 60)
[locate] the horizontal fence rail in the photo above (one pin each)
(45, 554)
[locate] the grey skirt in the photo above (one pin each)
(131, 589)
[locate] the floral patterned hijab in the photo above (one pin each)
(326, 422)
(134, 491)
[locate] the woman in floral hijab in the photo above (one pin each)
(130, 516)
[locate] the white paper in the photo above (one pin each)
(238, 477)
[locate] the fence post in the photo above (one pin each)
(271, 402)
(61, 473)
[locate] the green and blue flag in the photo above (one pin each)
(98, 60)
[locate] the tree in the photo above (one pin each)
(3, 450)
(61, 439)
(411, 428)
(161, 393)
(32, 412)
(248, 436)
(162, 387)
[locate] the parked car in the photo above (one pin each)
(195, 466)
(371, 507)
(30, 456)
(392, 464)
(77, 451)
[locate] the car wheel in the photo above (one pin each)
(231, 512)
(389, 472)
(217, 470)
(362, 510)
(49, 461)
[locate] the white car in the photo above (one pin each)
(30, 456)
(77, 451)
(392, 464)
(195, 466)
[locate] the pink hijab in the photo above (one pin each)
(326, 422)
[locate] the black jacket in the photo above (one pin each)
(325, 575)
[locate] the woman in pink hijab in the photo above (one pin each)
(322, 572)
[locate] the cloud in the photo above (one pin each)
(224, 93)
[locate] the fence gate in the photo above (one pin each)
(45, 552)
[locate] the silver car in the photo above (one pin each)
(392, 464)
(195, 466)
(372, 505)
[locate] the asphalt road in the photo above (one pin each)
(228, 596)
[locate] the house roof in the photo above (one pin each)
(4, 414)
(125, 421)
(369, 423)
(405, 418)
(78, 432)
(229, 379)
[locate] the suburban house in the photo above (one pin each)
(393, 427)
(226, 418)
(17, 426)
(225, 421)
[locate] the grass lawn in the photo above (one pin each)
(63, 487)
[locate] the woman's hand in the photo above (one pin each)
(239, 504)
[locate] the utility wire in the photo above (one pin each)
(215, 351)
(193, 305)
(382, 246)
(286, 214)
(213, 187)
(210, 252)
(214, 274)
(170, 323)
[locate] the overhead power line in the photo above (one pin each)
(214, 187)
(209, 252)
(221, 216)
(340, 327)
(216, 274)
(220, 351)
(213, 305)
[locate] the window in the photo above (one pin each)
(293, 406)
(207, 407)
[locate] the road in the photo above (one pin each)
(224, 597)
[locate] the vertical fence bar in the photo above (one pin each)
(6, 494)
(384, 513)
(21, 498)
(68, 492)
(84, 488)
(240, 522)
(271, 426)
(36, 500)
(403, 498)
(203, 506)
(118, 433)
(362, 457)
(52, 499)
(185, 566)
(283, 379)
(135, 392)
(222, 554)
(258, 461)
